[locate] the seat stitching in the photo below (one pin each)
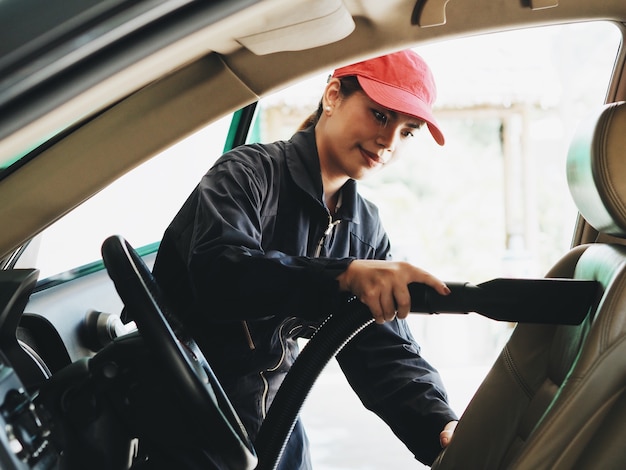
(512, 367)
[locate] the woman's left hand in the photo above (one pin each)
(446, 434)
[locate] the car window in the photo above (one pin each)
(138, 206)
(502, 101)
(493, 202)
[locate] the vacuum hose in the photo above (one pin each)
(332, 335)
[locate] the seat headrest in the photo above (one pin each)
(596, 169)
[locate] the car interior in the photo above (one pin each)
(102, 87)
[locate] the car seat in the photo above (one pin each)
(554, 397)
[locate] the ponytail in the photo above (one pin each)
(313, 118)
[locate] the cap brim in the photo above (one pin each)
(403, 102)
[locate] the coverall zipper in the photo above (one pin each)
(331, 225)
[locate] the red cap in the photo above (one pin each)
(402, 82)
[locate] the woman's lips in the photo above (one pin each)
(371, 158)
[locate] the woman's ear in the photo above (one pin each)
(332, 95)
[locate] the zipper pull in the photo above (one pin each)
(331, 225)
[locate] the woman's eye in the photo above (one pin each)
(407, 134)
(380, 117)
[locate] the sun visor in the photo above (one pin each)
(299, 28)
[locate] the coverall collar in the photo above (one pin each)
(304, 167)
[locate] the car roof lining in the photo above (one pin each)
(137, 128)
(142, 116)
(370, 30)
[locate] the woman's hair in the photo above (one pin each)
(349, 85)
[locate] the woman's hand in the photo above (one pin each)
(383, 286)
(446, 434)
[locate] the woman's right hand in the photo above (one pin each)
(383, 286)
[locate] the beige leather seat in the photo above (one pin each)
(555, 397)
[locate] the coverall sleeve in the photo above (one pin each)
(228, 268)
(384, 367)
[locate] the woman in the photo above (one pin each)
(275, 236)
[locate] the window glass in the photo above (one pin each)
(138, 206)
(493, 202)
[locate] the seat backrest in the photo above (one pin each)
(555, 396)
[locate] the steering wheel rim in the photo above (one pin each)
(180, 355)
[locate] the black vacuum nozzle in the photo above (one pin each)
(546, 300)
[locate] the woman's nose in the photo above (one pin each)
(387, 138)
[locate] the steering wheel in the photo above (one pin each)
(182, 359)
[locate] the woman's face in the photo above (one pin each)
(359, 136)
